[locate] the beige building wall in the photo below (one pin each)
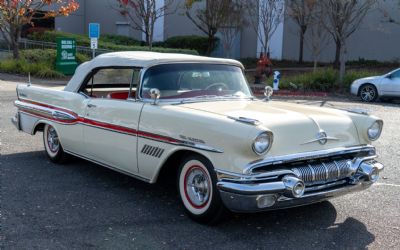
(374, 40)
(96, 11)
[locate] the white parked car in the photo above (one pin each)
(386, 86)
(149, 114)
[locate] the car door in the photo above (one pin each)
(390, 85)
(111, 119)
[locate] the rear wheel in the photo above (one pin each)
(52, 145)
(198, 192)
(368, 93)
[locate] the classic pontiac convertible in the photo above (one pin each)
(145, 114)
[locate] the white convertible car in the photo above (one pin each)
(386, 86)
(150, 115)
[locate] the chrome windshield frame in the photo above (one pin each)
(188, 100)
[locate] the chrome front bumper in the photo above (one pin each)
(250, 193)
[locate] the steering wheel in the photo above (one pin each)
(216, 84)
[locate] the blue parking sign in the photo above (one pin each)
(94, 30)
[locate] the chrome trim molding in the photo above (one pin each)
(67, 117)
(359, 111)
(246, 120)
(380, 122)
(63, 116)
(307, 156)
(271, 141)
(284, 190)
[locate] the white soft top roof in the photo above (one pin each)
(138, 59)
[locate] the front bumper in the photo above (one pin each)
(250, 194)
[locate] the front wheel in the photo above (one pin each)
(197, 190)
(52, 145)
(368, 93)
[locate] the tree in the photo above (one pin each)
(301, 11)
(209, 19)
(143, 15)
(232, 24)
(14, 14)
(318, 35)
(343, 18)
(270, 13)
(390, 17)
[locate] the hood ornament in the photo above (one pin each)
(322, 138)
(268, 92)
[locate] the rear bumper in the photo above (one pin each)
(276, 192)
(16, 121)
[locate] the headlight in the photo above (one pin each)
(262, 143)
(375, 130)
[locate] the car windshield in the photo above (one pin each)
(195, 80)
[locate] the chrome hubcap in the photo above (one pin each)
(52, 140)
(197, 187)
(368, 93)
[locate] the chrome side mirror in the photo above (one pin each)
(155, 95)
(268, 92)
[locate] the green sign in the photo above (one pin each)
(66, 56)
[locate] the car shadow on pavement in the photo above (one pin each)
(80, 204)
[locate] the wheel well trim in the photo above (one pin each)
(37, 126)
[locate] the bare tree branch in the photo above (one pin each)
(343, 18)
(143, 15)
(270, 14)
(301, 11)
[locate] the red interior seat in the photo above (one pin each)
(118, 95)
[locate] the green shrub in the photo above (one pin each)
(353, 75)
(37, 62)
(198, 43)
(120, 40)
(107, 43)
(321, 80)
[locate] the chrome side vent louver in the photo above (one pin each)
(152, 151)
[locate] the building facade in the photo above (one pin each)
(374, 40)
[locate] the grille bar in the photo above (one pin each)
(323, 171)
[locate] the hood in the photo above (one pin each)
(370, 78)
(295, 127)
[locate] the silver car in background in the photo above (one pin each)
(386, 86)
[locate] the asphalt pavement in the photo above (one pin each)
(81, 205)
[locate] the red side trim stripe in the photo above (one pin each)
(98, 124)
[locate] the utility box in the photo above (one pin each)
(66, 56)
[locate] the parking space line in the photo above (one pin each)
(387, 184)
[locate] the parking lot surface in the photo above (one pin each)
(81, 205)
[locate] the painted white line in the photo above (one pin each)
(387, 184)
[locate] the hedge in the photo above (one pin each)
(321, 80)
(37, 62)
(198, 43)
(107, 42)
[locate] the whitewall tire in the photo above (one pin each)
(52, 144)
(197, 190)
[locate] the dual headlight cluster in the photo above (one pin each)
(263, 142)
(374, 132)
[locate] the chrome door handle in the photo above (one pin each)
(91, 105)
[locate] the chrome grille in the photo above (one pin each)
(318, 172)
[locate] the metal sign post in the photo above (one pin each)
(94, 34)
